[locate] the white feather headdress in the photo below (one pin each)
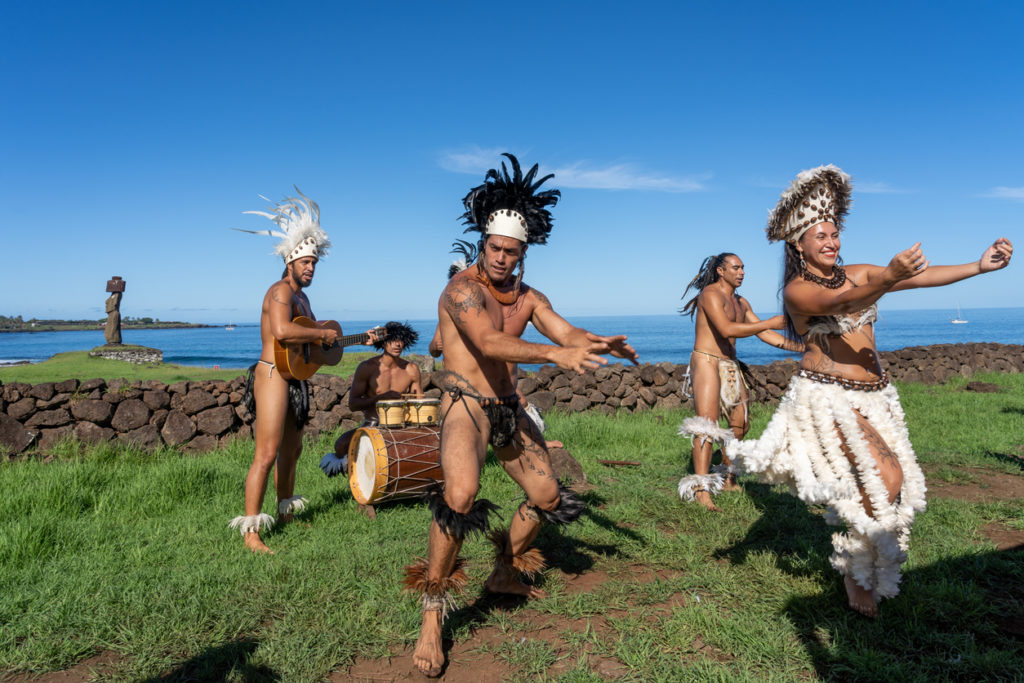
(298, 221)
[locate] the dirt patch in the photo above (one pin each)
(1005, 539)
(105, 663)
(988, 487)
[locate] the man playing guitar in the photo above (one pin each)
(281, 404)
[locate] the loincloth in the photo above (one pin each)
(733, 388)
(502, 412)
(802, 448)
(298, 395)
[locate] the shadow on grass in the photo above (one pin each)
(786, 528)
(961, 618)
(1008, 458)
(221, 663)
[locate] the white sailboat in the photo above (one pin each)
(959, 319)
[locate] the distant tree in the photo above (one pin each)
(147, 321)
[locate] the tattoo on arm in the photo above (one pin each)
(276, 296)
(464, 297)
(541, 299)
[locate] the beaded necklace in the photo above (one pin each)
(837, 280)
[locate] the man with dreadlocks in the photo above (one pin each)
(480, 405)
(383, 377)
(716, 374)
(281, 406)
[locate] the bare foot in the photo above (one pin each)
(503, 581)
(730, 483)
(254, 543)
(861, 599)
(553, 444)
(428, 656)
(704, 498)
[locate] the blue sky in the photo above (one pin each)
(134, 135)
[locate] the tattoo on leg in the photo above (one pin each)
(879, 445)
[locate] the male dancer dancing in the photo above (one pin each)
(722, 315)
(480, 405)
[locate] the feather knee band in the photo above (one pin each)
(529, 563)
(690, 486)
(290, 505)
(569, 509)
(455, 524)
(252, 523)
(702, 429)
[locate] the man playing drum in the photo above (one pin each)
(480, 405)
(384, 377)
(716, 374)
(281, 406)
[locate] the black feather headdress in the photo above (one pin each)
(469, 254)
(518, 193)
(398, 331)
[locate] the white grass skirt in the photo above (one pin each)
(801, 448)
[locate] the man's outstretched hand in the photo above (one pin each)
(615, 345)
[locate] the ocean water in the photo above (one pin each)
(656, 337)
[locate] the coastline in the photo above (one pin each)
(72, 327)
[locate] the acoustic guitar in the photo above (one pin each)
(302, 360)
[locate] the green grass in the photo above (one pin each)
(129, 551)
(79, 365)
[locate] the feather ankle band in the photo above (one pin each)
(528, 563)
(290, 505)
(252, 524)
(690, 486)
(437, 593)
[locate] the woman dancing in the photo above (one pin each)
(839, 436)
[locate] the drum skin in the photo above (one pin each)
(388, 464)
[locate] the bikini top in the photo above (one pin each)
(838, 325)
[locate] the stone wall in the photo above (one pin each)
(200, 416)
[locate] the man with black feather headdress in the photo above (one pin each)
(381, 378)
(480, 405)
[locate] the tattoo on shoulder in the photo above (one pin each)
(541, 299)
(275, 294)
(463, 297)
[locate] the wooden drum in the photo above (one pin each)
(388, 464)
(423, 412)
(390, 414)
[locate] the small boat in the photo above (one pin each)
(230, 327)
(958, 320)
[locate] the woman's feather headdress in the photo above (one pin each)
(816, 196)
(510, 205)
(298, 222)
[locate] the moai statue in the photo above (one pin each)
(112, 331)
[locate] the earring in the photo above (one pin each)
(803, 264)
